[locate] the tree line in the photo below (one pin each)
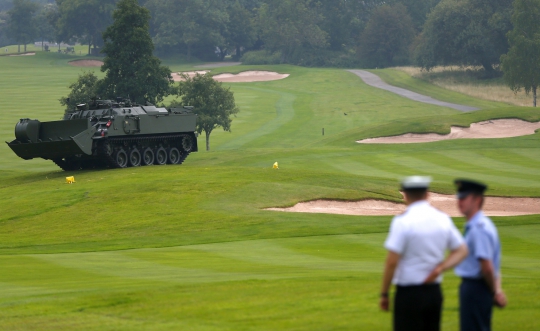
(342, 33)
(306, 32)
(24, 21)
(371, 33)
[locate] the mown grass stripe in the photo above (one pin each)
(480, 161)
(284, 113)
(463, 164)
(430, 168)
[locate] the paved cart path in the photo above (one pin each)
(375, 81)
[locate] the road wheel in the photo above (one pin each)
(148, 156)
(187, 143)
(135, 158)
(161, 156)
(107, 149)
(174, 156)
(121, 158)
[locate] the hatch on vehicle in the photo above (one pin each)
(153, 110)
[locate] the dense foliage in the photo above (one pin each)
(214, 104)
(368, 33)
(82, 90)
(20, 25)
(83, 20)
(465, 32)
(387, 36)
(289, 25)
(520, 66)
(131, 69)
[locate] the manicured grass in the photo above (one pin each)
(190, 246)
(471, 81)
(313, 283)
(402, 79)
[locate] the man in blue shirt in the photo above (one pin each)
(480, 288)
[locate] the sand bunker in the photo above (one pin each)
(243, 77)
(25, 54)
(177, 78)
(493, 206)
(86, 63)
(503, 128)
(250, 76)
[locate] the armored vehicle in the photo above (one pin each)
(109, 134)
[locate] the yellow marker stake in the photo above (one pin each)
(70, 180)
(276, 166)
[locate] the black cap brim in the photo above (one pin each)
(463, 195)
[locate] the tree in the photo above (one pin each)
(4, 33)
(240, 29)
(521, 65)
(53, 17)
(344, 20)
(251, 4)
(45, 30)
(214, 104)
(84, 89)
(84, 19)
(21, 24)
(5, 5)
(290, 25)
(387, 36)
(131, 68)
(418, 10)
(465, 32)
(196, 25)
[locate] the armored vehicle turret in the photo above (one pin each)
(109, 134)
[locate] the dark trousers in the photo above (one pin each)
(418, 308)
(475, 305)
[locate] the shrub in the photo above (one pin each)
(305, 57)
(261, 57)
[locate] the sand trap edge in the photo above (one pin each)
(487, 129)
(86, 63)
(22, 54)
(248, 76)
(494, 206)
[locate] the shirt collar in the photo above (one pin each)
(419, 203)
(475, 219)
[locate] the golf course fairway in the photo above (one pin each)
(191, 247)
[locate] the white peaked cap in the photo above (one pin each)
(416, 182)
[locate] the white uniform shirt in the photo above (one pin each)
(421, 235)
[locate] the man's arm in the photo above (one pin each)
(488, 273)
(392, 260)
(453, 259)
(500, 297)
(493, 282)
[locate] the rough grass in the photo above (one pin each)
(465, 80)
(189, 247)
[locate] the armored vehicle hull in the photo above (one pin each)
(109, 136)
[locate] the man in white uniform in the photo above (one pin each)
(416, 244)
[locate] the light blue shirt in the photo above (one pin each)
(483, 242)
